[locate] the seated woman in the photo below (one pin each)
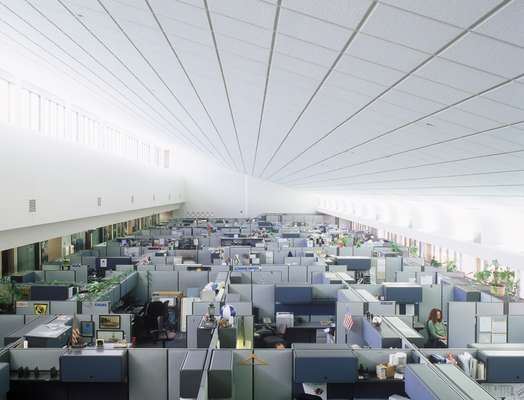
(437, 333)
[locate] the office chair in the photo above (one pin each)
(154, 310)
(162, 333)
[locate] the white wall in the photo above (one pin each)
(453, 223)
(67, 179)
(215, 191)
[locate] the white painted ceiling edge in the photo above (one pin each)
(454, 223)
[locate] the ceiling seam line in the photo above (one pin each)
(414, 166)
(426, 146)
(411, 123)
(122, 30)
(432, 177)
(62, 62)
(268, 72)
(164, 33)
(127, 68)
(148, 116)
(406, 76)
(221, 68)
(324, 79)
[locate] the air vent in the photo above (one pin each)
(477, 238)
(99, 201)
(32, 206)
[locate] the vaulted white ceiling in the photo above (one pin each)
(390, 96)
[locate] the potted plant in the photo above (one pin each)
(451, 266)
(413, 251)
(498, 287)
(395, 247)
(507, 279)
(435, 263)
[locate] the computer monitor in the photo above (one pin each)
(87, 329)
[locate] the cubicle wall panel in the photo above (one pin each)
(392, 266)
(163, 280)
(431, 298)
(201, 307)
(313, 270)
(125, 324)
(148, 374)
(192, 279)
(264, 300)
(363, 251)
(297, 274)
(175, 360)
(215, 270)
(515, 328)
(447, 296)
(490, 308)
(10, 323)
(95, 307)
(242, 375)
(355, 335)
(461, 324)
(273, 379)
(63, 307)
(163, 267)
(266, 277)
(27, 307)
(192, 323)
(516, 309)
(244, 290)
(326, 291)
(242, 308)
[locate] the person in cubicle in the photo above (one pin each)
(437, 332)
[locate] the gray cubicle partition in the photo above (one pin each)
(461, 323)
(264, 300)
(191, 279)
(148, 374)
(431, 298)
(163, 280)
(10, 323)
(175, 360)
(516, 323)
(67, 307)
(273, 378)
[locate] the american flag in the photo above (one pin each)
(348, 321)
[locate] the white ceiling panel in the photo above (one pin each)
(402, 27)
(507, 24)
(292, 89)
(488, 55)
(458, 76)
(312, 30)
(462, 13)
(385, 53)
(346, 13)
